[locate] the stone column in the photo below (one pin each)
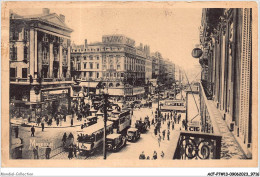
(32, 46)
(68, 60)
(39, 59)
(60, 61)
(51, 61)
(35, 54)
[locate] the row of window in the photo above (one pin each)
(96, 49)
(15, 35)
(13, 72)
(13, 53)
(134, 67)
(91, 66)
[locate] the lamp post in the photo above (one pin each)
(105, 105)
(105, 125)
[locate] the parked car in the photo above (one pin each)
(133, 134)
(115, 142)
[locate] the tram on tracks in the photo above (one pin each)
(89, 139)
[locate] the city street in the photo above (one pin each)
(147, 143)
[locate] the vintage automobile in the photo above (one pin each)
(115, 142)
(142, 126)
(133, 134)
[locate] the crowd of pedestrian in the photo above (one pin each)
(170, 119)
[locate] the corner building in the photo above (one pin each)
(115, 62)
(40, 78)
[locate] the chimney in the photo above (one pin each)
(86, 43)
(62, 17)
(45, 11)
(141, 46)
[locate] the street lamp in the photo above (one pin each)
(105, 105)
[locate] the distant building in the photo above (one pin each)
(40, 80)
(115, 62)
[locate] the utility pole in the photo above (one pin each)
(158, 111)
(105, 124)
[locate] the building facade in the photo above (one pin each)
(40, 80)
(226, 40)
(115, 62)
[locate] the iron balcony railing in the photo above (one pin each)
(197, 145)
(205, 144)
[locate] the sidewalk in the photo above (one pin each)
(62, 124)
(229, 146)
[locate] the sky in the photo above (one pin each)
(173, 32)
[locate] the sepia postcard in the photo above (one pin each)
(129, 84)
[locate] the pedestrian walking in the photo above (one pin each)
(70, 156)
(163, 133)
(70, 136)
(32, 130)
(72, 113)
(168, 116)
(154, 155)
(152, 121)
(71, 122)
(48, 152)
(168, 134)
(162, 154)
(159, 140)
(142, 156)
(75, 150)
(179, 118)
(155, 131)
(168, 124)
(42, 124)
(38, 121)
(57, 121)
(172, 125)
(64, 138)
(149, 124)
(35, 152)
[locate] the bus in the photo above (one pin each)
(90, 138)
(122, 121)
(174, 105)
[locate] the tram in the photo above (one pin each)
(89, 139)
(122, 121)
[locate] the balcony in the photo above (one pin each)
(196, 145)
(45, 81)
(203, 144)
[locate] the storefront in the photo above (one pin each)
(56, 100)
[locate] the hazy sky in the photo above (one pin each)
(172, 31)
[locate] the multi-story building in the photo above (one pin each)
(115, 62)
(226, 40)
(39, 64)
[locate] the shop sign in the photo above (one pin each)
(138, 90)
(194, 126)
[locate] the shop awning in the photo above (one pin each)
(89, 84)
